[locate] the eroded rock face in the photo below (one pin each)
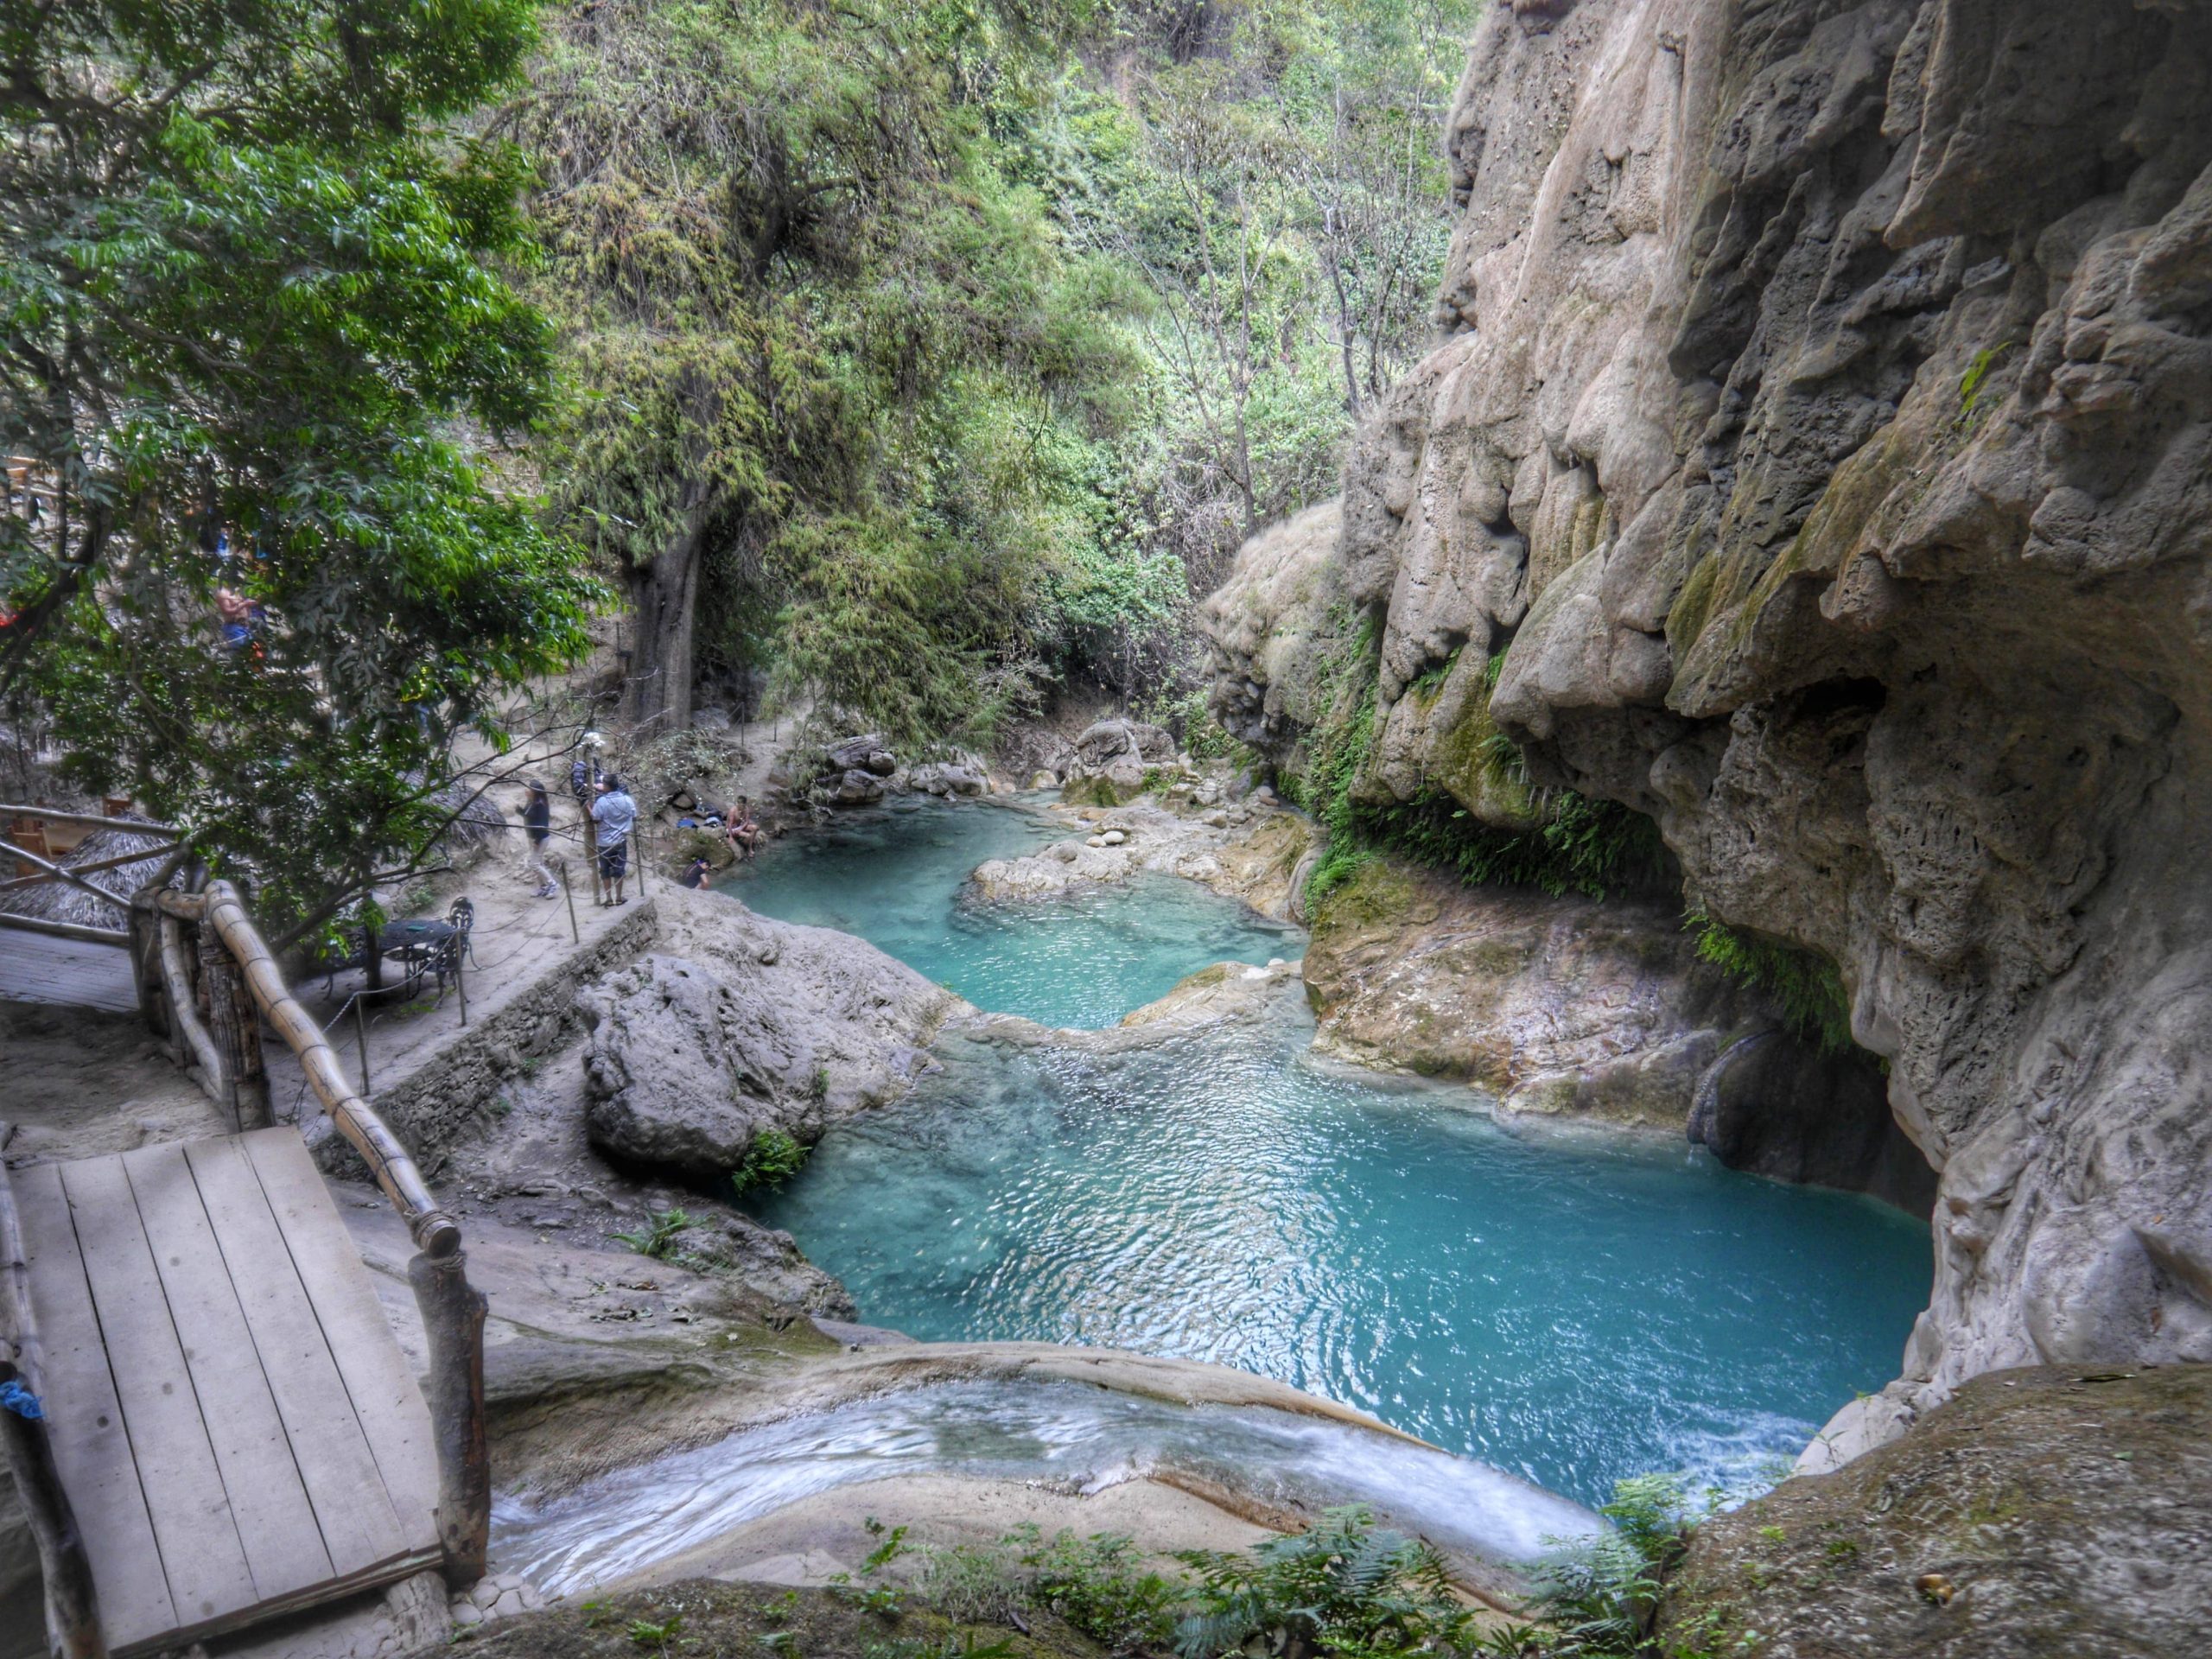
(1824, 433)
(740, 1024)
(1570, 1008)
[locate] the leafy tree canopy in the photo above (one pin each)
(254, 335)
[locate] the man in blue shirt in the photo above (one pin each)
(614, 812)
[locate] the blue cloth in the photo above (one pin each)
(20, 1401)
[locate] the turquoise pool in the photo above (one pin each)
(1568, 1308)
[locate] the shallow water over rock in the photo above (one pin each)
(1062, 1432)
(1570, 1308)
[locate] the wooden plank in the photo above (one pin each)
(91, 1446)
(378, 1379)
(201, 1553)
(336, 1464)
(268, 1499)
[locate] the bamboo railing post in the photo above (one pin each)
(184, 1015)
(361, 1036)
(591, 854)
(146, 970)
(453, 1324)
(236, 1035)
(72, 1613)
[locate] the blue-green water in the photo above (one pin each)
(894, 876)
(1569, 1309)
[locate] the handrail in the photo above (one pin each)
(72, 1618)
(435, 1232)
(452, 1309)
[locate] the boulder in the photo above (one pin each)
(1115, 760)
(857, 788)
(740, 1024)
(2043, 1511)
(683, 1075)
(949, 778)
(856, 754)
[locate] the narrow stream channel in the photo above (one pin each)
(1569, 1307)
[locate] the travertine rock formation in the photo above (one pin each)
(1578, 1008)
(1823, 431)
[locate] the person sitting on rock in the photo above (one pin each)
(700, 875)
(614, 812)
(742, 834)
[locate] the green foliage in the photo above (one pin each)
(1100, 1586)
(659, 1237)
(831, 348)
(646, 1633)
(1584, 846)
(774, 1156)
(1806, 985)
(250, 285)
(1971, 384)
(1343, 1586)
(1597, 1595)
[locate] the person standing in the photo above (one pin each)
(615, 813)
(538, 824)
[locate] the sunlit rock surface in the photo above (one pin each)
(2055, 1511)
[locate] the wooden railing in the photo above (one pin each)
(239, 973)
(171, 934)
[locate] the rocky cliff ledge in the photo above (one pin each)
(1822, 432)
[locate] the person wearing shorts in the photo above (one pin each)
(615, 814)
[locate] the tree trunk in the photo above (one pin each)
(664, 600)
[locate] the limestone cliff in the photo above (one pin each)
(1822, 430)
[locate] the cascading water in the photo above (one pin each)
(1062, 1431)
(1572, 1307)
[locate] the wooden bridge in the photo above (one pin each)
(204, 1408)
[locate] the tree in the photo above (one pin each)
(838, 370)
(255, 339)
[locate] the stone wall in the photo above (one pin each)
(1823, 432)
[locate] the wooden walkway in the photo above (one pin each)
(35, 968)
(232, 1419)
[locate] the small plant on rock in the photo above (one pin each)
(659, 1238)
(772, 1158)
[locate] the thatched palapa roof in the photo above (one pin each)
(59, 901)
